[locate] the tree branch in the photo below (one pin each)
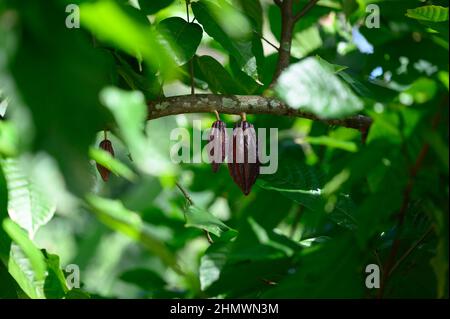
(305, 10)
(389, 265)
(287, 28)
(237, 104)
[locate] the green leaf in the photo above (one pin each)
(332, 143)
(26, 262)
(147, 83)
(305, 42)
(28, 205)
(240, 47)
(5, 241)
(75, 78)
(253, 10)
(114, 215)
(421, 91)
(114, 165)
(271, 240)
(8, 286)
(109, 22)
(55, 282)
(199, 218)
(181, 37)
(323, 270)
(332, 67)
(77, 293)
(153, 6)
(212, 263)
(429, 13)
(9, 139)
(143, 278)
(151, 153)
(218, 79)
(311, 87)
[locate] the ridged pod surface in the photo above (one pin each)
(243, 162)
(218, 138)
(105, 145)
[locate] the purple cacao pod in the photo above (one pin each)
(218, 140)
(243, 162)
(105, 145)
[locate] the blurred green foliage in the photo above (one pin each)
(307, 231)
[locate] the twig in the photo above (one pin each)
(191, 202)
(187, 9)
(410, 250)
(191, 62)
(267, 41)
(185, 194)
(305, 10)
(236, 104)
(191, 74)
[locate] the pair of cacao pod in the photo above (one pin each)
(241, 152)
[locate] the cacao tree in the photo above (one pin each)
(105, 106)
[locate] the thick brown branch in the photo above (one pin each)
(237, 104)
(287, 28)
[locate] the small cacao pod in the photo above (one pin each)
(243, 162)
(105, 145)
(218, 140)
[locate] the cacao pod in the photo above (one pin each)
(243, 162)
(218, 140)
(105, 145)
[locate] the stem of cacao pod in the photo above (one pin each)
(244, 116)
(105, 134)
(217, 115)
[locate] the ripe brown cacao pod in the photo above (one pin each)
(218, 138)
(105, 145)
(243, 162)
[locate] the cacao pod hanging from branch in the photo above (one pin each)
(105, 145)
(243, 162)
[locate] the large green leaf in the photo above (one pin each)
(151, 152)
(212, 263)
(218, 79)
(26, 262)
(28, 205)
(199, 218)
(309, 86)
(153, 6)
(55, 286)
(8, 286)
(326, 270)
(56, 78)
(5, 241)
(429, 13)
(108, 21)
(114, 165)
(144, 278)
(253, 9)
(240, 46)
(181, 37)
(114, 215)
